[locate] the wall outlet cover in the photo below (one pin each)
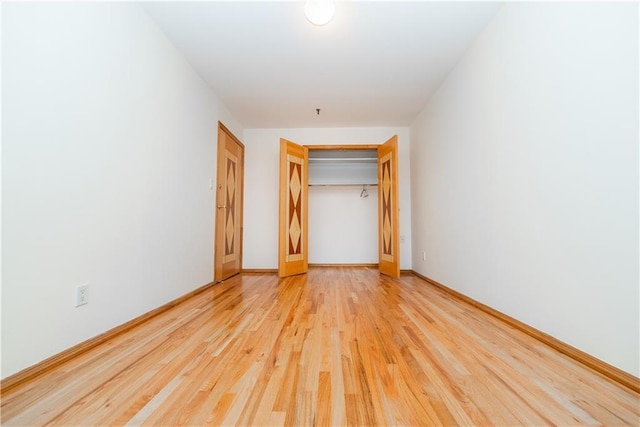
(82, 295)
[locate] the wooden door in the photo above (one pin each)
(388, 211)
(293, 213)
(229, 193)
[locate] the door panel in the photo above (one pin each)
(229, 204)
(388, 211)
(293, 212)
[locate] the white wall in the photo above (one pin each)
(343, 227)
(525, 174)
(109, 140)
(261, 193)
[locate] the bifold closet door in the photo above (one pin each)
(293, 212)
(388, 211)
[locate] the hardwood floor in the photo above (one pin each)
(338, 346)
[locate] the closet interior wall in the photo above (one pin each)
(343, 206)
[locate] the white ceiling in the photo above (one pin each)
(374, 64)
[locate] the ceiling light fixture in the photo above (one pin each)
(319, 12)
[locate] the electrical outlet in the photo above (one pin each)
(424, 256)
(82, 295)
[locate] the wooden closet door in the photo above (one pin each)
(388, 211)
(293, 214)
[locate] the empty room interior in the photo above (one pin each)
(320, 213)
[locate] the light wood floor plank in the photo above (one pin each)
(338, 346)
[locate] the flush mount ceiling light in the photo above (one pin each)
(319, 12)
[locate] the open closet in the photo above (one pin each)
(343, 207)
(352, 191)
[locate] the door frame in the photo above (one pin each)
(218, 233)
(342, 147)
(371, 147)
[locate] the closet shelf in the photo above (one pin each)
(342, 160)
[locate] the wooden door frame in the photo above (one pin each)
(342, 147)
(217, 262)
(363, 147)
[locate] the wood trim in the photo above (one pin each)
(42, 367)
(609, 371)
(218, 232)
(374, 265)
(241, 213)
(226, 129)
(342, 147)
(259, 270)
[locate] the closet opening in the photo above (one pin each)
(343, 206)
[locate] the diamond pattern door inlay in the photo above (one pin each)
(294, 215)
(294, 183)
(387, 234)
(294, 208)
(294, 233)
(230, 211)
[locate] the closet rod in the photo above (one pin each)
(344, 159)
(343, 185)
